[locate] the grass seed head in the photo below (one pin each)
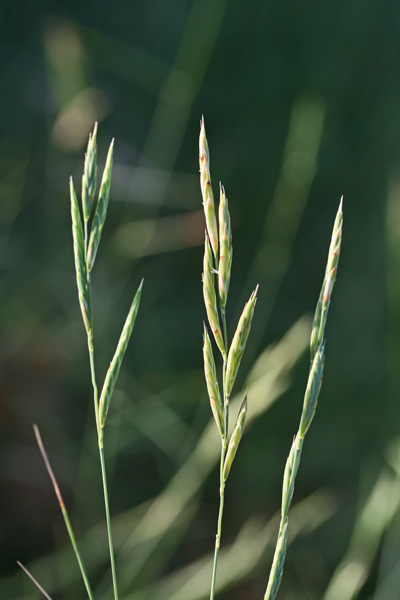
(239, 342)
(235, 438)
(89, 177)
(289, 477)
(206, 189)
(312, 391)
(210, 299)
(113, 370)
(101, 210)
(79, 257)
(321, 312)
(212, 382)
(225, 248)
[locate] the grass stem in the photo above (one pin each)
(109, 532)
(64, 513)
(35, 581)
(222, 461)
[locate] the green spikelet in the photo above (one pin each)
(239, 342)
(101, 210)
(235, 438)
(321, 311)
(113, 370)
(210, 299)
(206, 190)
(79, 256)
(225, 248)
(89, 177)
(210, 373)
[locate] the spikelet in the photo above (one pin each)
(289, 477)
(239, 342)
(225, 248)
(79, 257)
(210, 373)
(89, 177)
(312, 391)
(206, 190)
(321, 312)
(113, 370)
(235, 438)
(210, 299)
(101, 210)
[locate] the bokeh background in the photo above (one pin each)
(302, 105)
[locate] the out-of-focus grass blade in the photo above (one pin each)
(241, 559)
(372, 521)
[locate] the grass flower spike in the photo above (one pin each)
(238, 345)
(210, 297)
(85, 250)
(225, 248)
(89, 177)
(218, 253)
(101, 210)
(317, 354)
(210, 373)
(206, 189)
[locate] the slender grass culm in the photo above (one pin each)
(217, 263)
(317, 354)
(85, 249)
(86, 238)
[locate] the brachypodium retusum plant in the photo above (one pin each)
(217, 263)
(317, 356)
(85, 250)
(87, 225)
(86, 235)
(217, 266)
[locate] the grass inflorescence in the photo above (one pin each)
(216, 277)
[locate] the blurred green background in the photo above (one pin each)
(302, 105)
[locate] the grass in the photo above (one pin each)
(88, 218)
(217, 267)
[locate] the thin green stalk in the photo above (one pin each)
(85, 246)
(276, 572)
(109, 532)
(222, 461)
(219, 525)
(317, 353)
(35, 581)
(64, 512)
(100, 442)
